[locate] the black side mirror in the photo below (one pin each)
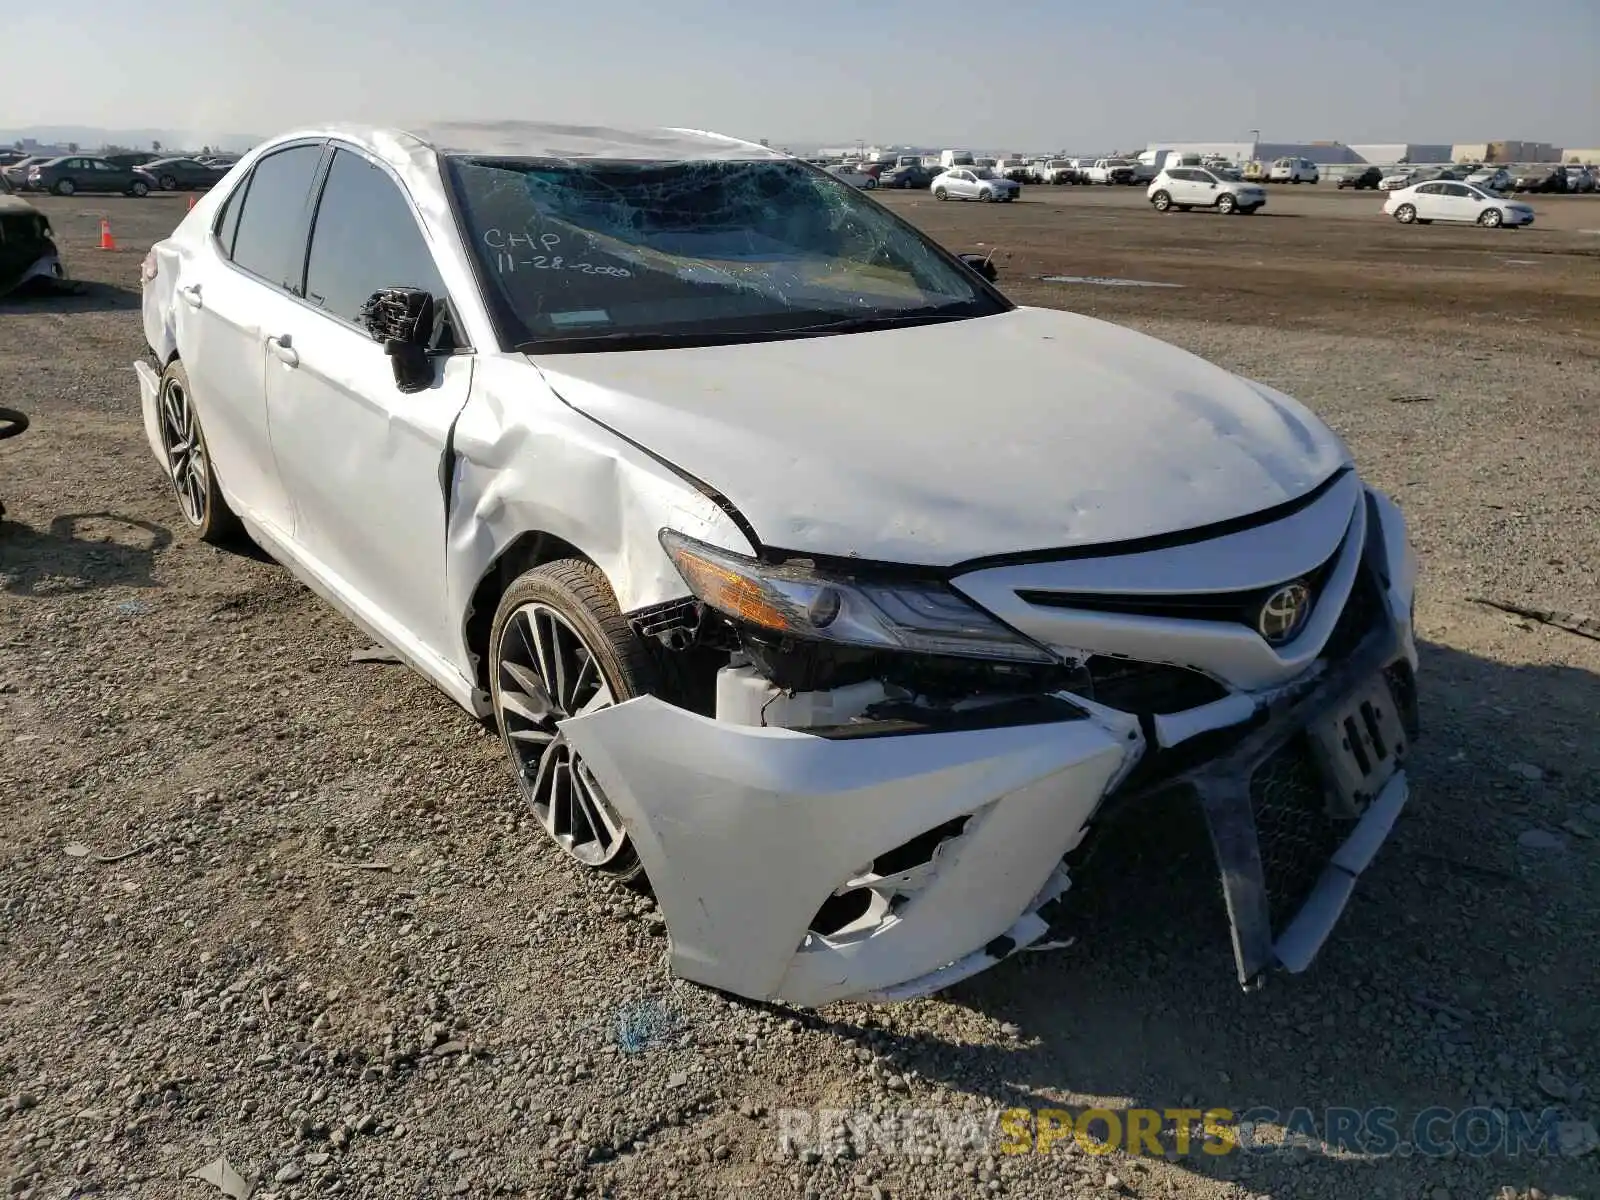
(401, 318)
(982, 264)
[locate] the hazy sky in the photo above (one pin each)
(1042, 75)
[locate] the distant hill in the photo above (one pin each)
(90, 137)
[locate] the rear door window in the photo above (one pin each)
(271, 225)
(365, 239)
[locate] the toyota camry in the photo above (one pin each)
(653, 448)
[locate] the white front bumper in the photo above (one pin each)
(149, 390)
(746, 831)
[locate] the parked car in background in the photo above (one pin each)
(180, 174)
(1015, 169)
(1582, 178)
(226, 161)
(130, 159)
(856, 724)
(1398, 180)
(1545, 181)
(1184, 188)
(1111, 171)
(83, 173)
(974, 183)
(907, 175)
(27, 248)
(1447, 200)
(16, 173)
(1057, 171)
(1294, 170)
(1494, 179)
(1366, 180)
(854, 176)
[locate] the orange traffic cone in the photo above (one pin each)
(191, 199)
(107, 242)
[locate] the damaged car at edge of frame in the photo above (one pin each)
(658, 448)
(27, 248)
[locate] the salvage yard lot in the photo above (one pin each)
(259, 899)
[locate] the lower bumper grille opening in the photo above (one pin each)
(1403, 686)
(1295, 833)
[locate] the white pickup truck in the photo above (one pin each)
(1057, 170)
(1112, 170)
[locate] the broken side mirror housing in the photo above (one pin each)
(401, 319)
(982, 264)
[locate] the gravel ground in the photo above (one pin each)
(261, 902)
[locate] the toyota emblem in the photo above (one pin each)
(1284, 612)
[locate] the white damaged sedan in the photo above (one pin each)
(660, 449)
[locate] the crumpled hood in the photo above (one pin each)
(936, 444)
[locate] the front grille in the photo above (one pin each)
(1360, 614)
(1149, 688)
(1293, 829)
(1241, 607)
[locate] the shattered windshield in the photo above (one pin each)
(606, 251)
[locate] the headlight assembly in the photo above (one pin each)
(918, 616)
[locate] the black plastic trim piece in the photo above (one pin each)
(894, 719)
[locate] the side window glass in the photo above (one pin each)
(269, 239)
(365, 239)
(228, 220)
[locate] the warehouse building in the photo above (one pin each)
(1402, 152)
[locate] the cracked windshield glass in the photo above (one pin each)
(687, 250)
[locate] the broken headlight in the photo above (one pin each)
(919, 616)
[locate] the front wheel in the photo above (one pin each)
(188, 460)
(1405, 214)
(986, 195)
(1226, 204)
(1161, 201)
(1491, 218)
(168, 183)
(869, 184)
(560, 648)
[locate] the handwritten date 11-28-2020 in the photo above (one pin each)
(505, 246)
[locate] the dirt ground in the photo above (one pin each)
(257, 900)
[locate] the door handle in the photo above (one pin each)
(191, 295)
(283, 351)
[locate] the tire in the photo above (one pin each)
(1491, 218)
(168, 183)
(567, 605)
(869, 185)
(1405, 214)
(189, 468)
(940, 194)
(63, 187)
(986, 196)
(1226, 204)
(139, 188)
(1161, 201)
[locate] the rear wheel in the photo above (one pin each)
(1162, 201)
(168, 183)
(1490, 218)
(560, 648)
(940, 194)
(986, 195)
(64, 187)
(1405, 214)
(1226, 204)
(138, 188)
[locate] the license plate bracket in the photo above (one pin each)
(1359, 746)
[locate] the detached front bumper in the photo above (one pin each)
(747, 832)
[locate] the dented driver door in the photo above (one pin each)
(360, 458)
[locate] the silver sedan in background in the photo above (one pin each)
(974, 183)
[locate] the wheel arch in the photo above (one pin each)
(528, 550)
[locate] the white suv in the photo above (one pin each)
(1294, 170)
(1184, 188)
